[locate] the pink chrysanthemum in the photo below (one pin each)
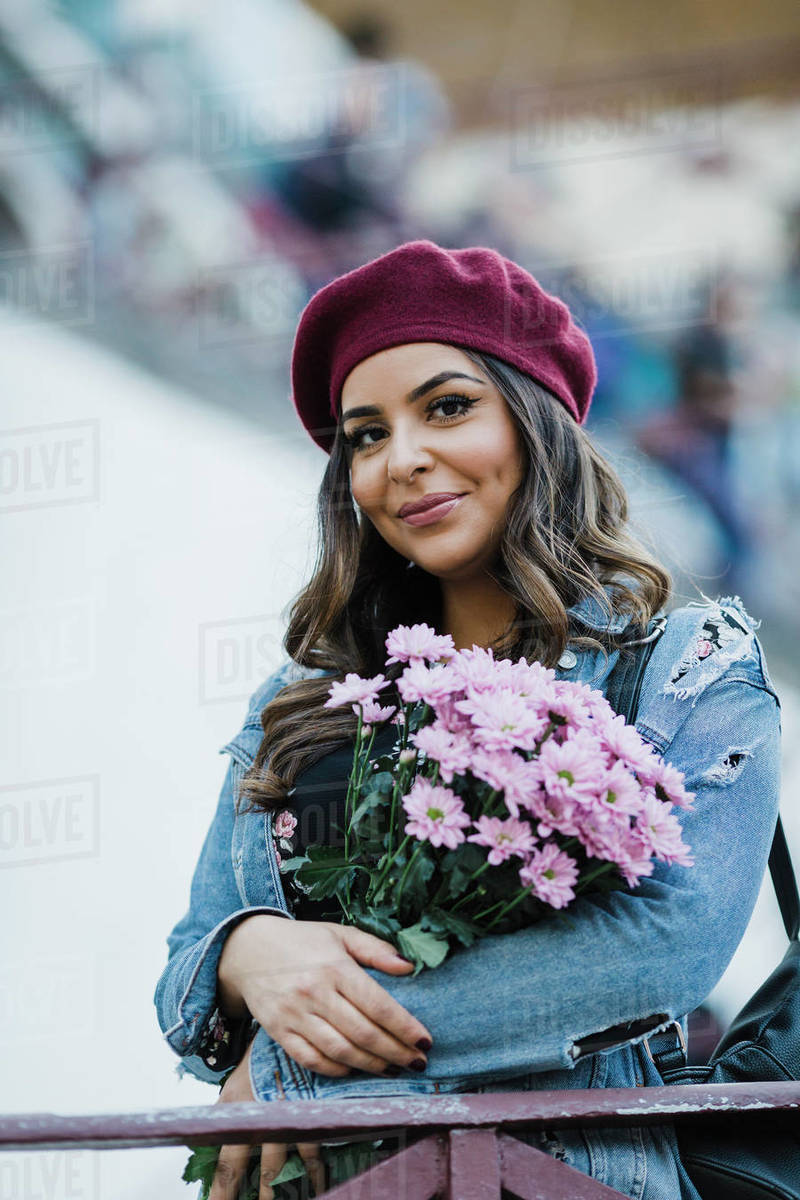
(372, 711)
(448, 716)
(504, 837)
(604, 833)
(475, 668)
(671, 781)
(557, 814)
(531, 679)
(502, 719)
(620, 791)
(626, 743)
(416, 643)
(452, 751)
(436, 814)
(285, 824)
(354, 689)
(509, 773)
(553, 874)
(571, 704)
(660, 832)
(572, 770)
(633, 860)
(420, 683)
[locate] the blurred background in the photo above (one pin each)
(176, 180)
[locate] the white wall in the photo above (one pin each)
(142, 583)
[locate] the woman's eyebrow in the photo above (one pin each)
(371, 410)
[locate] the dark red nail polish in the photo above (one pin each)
(424, 1044)
(418, 1064)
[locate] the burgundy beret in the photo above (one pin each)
(419, 292)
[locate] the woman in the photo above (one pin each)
(428, 375)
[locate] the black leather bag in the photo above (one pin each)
(761, 1045)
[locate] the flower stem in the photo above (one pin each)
(504, 907)
(399, 783)
(409, 865)
(389, 864)
(474, 892)
(348, 800)
(603, 869)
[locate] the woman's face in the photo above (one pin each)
(436, 424)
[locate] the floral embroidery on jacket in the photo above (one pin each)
(284, 825)
(216, 1037)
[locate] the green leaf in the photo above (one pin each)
(293, 1168)
(382, 781)
(201, 1166)
(415, 890)
(294, 864)
(459, 865)
(379, 921)
(384, 763)
(424, 949)
(370, 802)
(332, 884)
(437, 919)
(325, 871)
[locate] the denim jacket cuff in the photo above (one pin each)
(197, 1005)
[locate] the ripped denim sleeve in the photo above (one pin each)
(727, 636)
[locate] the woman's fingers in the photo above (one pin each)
(382, 1009)
(311, 1056)
(315, 1168)
(372, 951)
(335, 1046)
(229, 1172)
(353, 1022)
(375, 1042)
(273, 1157)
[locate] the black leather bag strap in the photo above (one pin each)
(624, 683)
(784, 882)
(623, 689)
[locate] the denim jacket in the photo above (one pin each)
(509, 1011)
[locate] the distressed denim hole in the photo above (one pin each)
(728, 767)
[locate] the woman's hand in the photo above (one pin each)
(302, 982)
(233, 1161)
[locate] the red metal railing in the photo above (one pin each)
(464, 1150)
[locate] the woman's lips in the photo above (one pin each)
(431, 515)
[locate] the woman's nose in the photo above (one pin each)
(407, 454)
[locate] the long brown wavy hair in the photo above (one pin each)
(566, 536)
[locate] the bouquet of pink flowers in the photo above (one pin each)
(508, 793)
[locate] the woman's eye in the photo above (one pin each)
(463, 402)
(355, 440)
